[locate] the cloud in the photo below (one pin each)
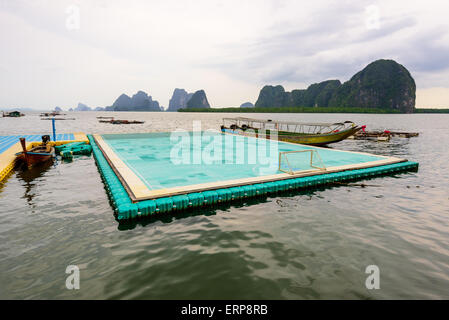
(229, 48)
(327, 47)
(334, 42)
(426, 53)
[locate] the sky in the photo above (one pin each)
(60, 53)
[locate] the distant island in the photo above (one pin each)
(143, 102)
(384, 86)
(198, 100)
(82, 107)
(297, 110)
(140, 101)
(310, 110)
(247, 105)
(181, 99)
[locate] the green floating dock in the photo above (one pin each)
(67, 151)
(126, 208)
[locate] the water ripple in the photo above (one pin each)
(301, 245)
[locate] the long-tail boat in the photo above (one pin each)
(37, 154)
(101, 117)
(317, 134)
(13, 114)
(52, 114)
(121, 121)
(58, 118)
(385, 135)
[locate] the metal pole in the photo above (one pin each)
(54, 129)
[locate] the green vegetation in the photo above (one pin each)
(382, 85)
(292, 110)
(423, 110)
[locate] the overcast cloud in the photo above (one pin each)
(228, 48)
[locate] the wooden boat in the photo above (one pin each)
(317, 134)
(13, 114)
(121, 121)
(382, 135)
(58, 118)
(52, 114)
(38, 154)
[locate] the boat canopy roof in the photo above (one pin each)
(323, 124)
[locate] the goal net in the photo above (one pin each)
(295, 161)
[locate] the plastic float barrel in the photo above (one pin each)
(364, 173)
(115, 185)
(393, 169)
(224, 195)
(374, 172)
(68, 146)
(329, 178)
(84, 150)
(249, 191)
(358, 174)
(413, 165)
(315, 180)
(120, 198)
(261, 189)
(237, 192)
(210, 197)
(308, 182)
(75, 151)
(196, 199)
(180, 202)
(300, 183)
(66, 154)
(147, 207)
(271, 187)
(320, 180)
(76, 148)
(342, 176)
(291, 185)
(282, 185)
(164, 204)
(127, 211)
(369, 172)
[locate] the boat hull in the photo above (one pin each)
(308, 139)
(34, 156)
(121, 121)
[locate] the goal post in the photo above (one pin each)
(292, 162)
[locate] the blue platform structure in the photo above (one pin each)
(7, 141)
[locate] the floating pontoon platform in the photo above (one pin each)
(144, 176)
(10, 145)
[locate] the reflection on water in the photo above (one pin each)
(191, 212)
(314, 244)
(30, 177)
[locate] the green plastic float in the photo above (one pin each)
(126, 209)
